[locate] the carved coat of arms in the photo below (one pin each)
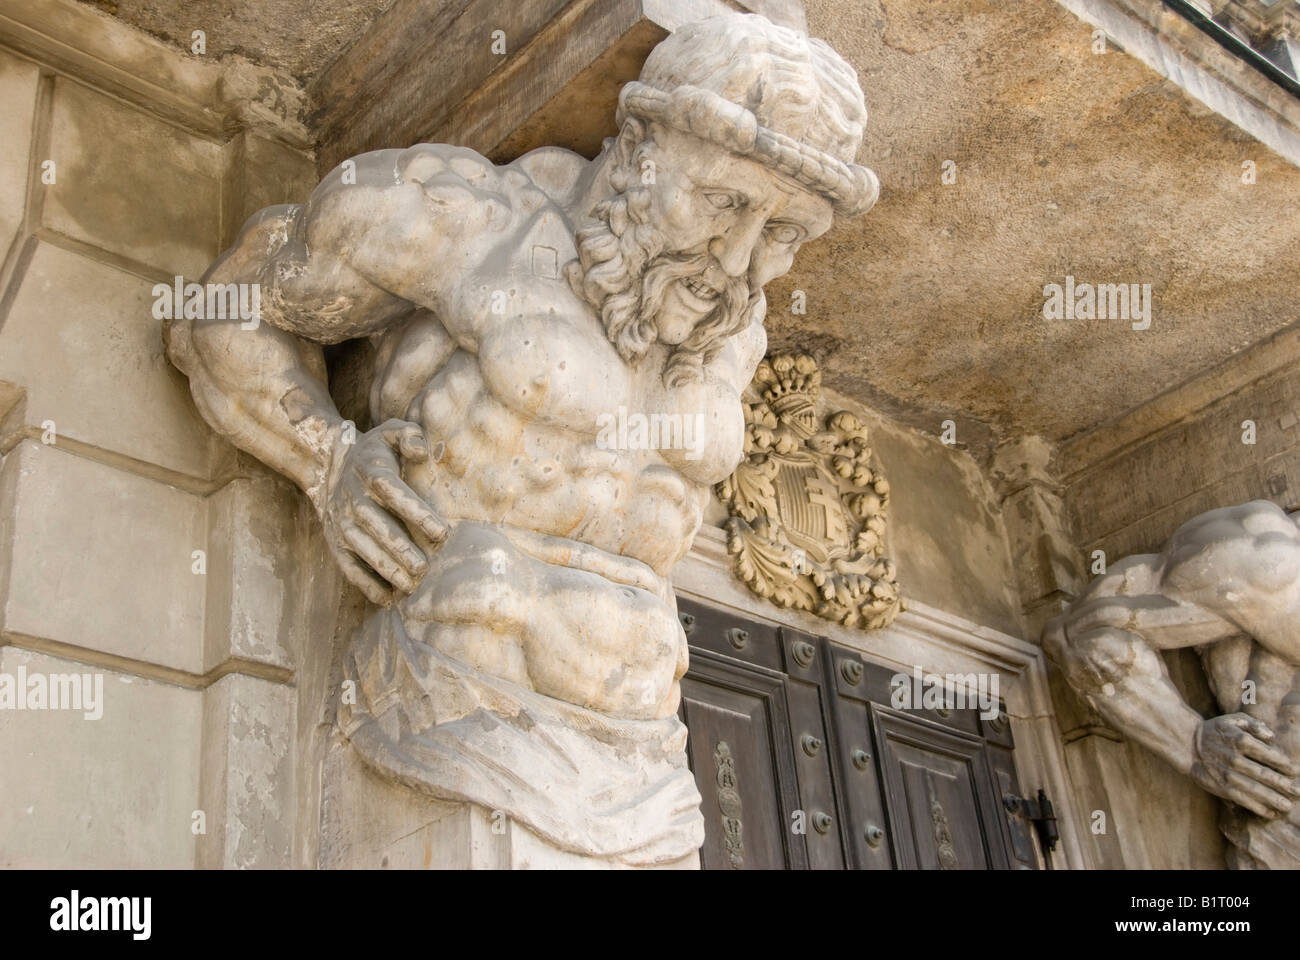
(807, 523)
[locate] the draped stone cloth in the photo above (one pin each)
(1259, 844)
(585, 782)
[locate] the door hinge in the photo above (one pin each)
(1039, 811)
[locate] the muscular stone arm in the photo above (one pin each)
(1109, 646)
(374, 243)
(356, 258)
(263, 389)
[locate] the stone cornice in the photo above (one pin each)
(1093, 448)
(1174, 48)
(215, 99)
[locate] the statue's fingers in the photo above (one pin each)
(406, 438)
(365, 547)
(1254, 726)
(1269, 777)
(360, 576)
(1268, 755)
(392, 536)
(1256, 797)
(403, 502)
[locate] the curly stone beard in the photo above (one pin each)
(623, 272)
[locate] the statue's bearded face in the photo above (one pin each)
(686, 244)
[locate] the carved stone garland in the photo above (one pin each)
(807, 523)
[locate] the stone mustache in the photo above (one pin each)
(1228, 584)
(522, 650)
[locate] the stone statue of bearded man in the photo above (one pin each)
(523, 651)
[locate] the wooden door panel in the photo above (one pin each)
(939, 795)
(739, 749)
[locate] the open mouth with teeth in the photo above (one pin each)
(700, 291)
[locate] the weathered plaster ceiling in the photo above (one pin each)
(1067, 163)
(300, 37)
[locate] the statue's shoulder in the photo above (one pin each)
(1243, 528)
(513, 192)
(553, 170)
(447, 166)
(1244, 547)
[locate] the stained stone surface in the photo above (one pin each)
(117, 792)
(298, 36)
(1067, 162)
(113, 160)
(73, 521)
(103, 378)
(19, 78)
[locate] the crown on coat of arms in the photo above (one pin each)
(790, 385)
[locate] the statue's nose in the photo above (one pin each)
(734, 248)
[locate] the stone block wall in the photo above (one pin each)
(135, 547)
(1133, 500)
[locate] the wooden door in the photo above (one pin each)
(802, 763)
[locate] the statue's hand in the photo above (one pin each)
(367, 510)
(1235, 760)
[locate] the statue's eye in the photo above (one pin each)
(722, 201)
(784, 232)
